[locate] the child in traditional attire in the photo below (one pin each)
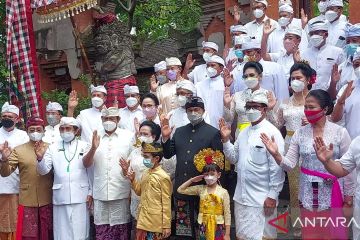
(214, 214)
(154, 189)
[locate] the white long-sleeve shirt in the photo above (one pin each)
(90, 120)
(322, 61)
(211, 90)
(52, 134)
(109, 182)
(259, 176)
(16, 137)
(198, 74)
(336, 30)
(255, 30)
(351, 114)
(273, 79)
(127, 118)
(71, 179)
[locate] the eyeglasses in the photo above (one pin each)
(253, 107)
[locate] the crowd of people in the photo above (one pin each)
(282, 101)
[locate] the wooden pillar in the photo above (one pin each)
(273, 9)
(229, 18)
(354, 9)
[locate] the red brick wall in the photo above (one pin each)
(216, 25)
(354, 9)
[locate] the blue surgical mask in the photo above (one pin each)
(148, 163)
(350, 49)
(239, 53)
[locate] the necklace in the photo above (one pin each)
(295, 102)
(69, 161)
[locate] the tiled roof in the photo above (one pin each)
(154, 52)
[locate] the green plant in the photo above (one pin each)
(345, 10)
(61, 97)
(154, 19)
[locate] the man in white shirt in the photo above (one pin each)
(346, 69)
(53, 115)
(198, 74)
(260, 179)
(321, 55)
(167, 93)
(71, 188)
(255, 27)
(236, 31)
(322, 6)
(348, 104)
(273, 77)
(337, 26)
(178, 117)
(290, 43)
(342, 167)
(111, 190)
(159, 78)
(132, 113)
(11, 137)
(286, 20)
(89, 119)
(211, 90)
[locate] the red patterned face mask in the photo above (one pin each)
(314, 115)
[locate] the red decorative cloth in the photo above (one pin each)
(35, 121)
(21, 53)
(115, 91)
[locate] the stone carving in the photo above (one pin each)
(114, 56)
(113, 43)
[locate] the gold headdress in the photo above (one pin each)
(208, 156)
(151, 147)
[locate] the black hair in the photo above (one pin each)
(257, 66)
(306, 70)
(155, 128)
(324, 99)
(211, 168)
(157, 154)
(152, 96)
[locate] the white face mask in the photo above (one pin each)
(211, 72)
(131, 101)
(297, 85)
(283, 21)
(67, 136)
(36, 136)
(331, 15)
(144, 139)
(210, 179)
(253, 115)
(251, 82)
(181, 100)
(316, 40)
(206, 56)
(357, 73)
(97, 102)
(322, 7)
(258, 13)
(109, 125)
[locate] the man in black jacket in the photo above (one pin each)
(186, 142)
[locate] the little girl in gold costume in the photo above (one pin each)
(214, 213)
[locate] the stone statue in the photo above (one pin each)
(115, 58)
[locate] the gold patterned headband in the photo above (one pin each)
(151, 148)
(208, 156)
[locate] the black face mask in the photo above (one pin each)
(7, 123)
